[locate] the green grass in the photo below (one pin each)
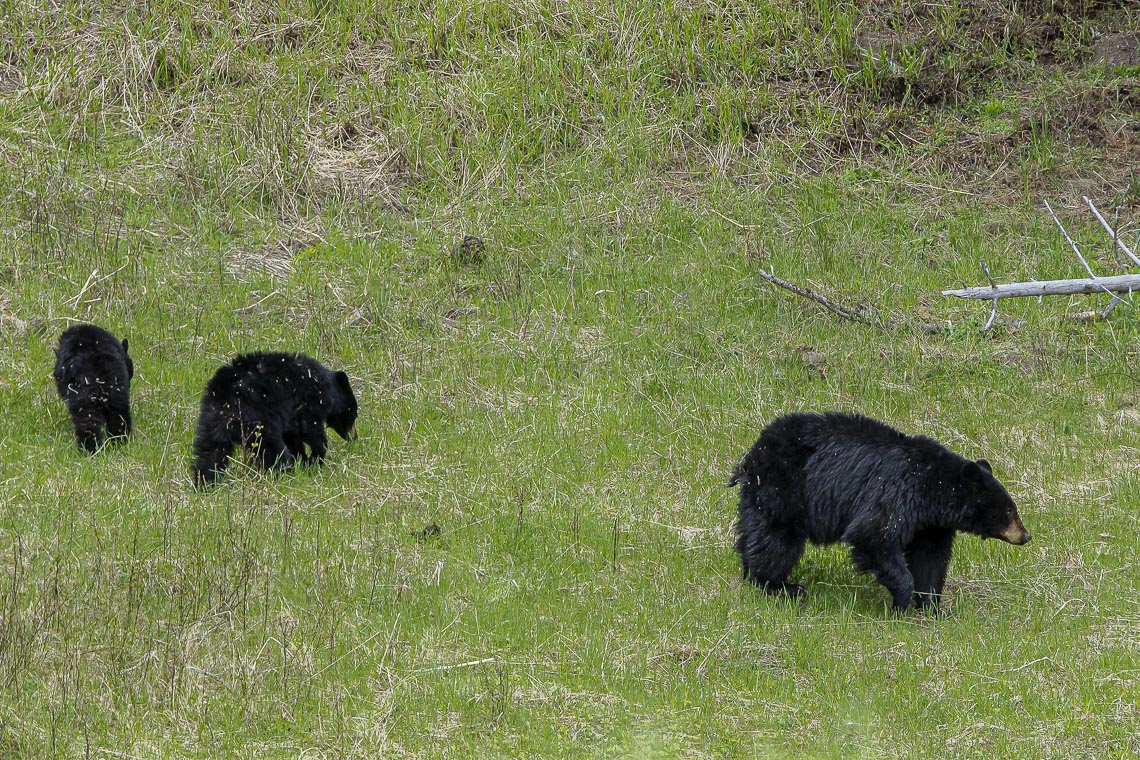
(206, 180)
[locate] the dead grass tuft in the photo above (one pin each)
(355, 157)
(276, 257)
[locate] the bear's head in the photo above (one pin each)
(990, 511)
(342, 417)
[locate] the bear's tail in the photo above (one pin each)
(748, 468)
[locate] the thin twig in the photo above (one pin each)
(257, 303)
(845, 312)
(1073, 244)
(738, 225)
(1028, 664)
(989, 276)
(1111, 231)
(360, 646)
(470, 664)
(993, 310)
(94, 279)
(1116, 299)
(993, 315)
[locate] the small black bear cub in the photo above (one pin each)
(93, 376)
(896, 500)
(273, 405)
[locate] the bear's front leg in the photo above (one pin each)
(889, 568)
(928, 556)
(768, 551)
(313, 431)
(295, 443)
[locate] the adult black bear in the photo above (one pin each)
(897, 500)
(273, 405)
(93, 376)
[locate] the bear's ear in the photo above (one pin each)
(125, 344)
(341, 380)
(972, 475)
(985, 466)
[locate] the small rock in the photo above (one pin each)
(1118, 49)
(814, 359)
(470, 251)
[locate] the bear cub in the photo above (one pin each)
(273, 405)
(896, 500)
(93, 376)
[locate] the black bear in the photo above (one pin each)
(896, 500)
(93, 376)
(273, 405)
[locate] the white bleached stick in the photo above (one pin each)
(1112, 232)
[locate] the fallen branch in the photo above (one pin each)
(863, 315)
(1124, 283)
(845, 312)
(1113, 286)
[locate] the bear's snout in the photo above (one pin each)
(1016, 533)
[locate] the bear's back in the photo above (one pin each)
(267, 377)
(862, 444)
(82, 341)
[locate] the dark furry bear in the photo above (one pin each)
(273, 405)
(897, 500)
(93, 376)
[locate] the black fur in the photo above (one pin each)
(273, 405)
(93, 376)
(897, 500)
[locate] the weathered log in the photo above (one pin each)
(1124, 283)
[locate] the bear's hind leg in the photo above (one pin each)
(768, 553)
(119, 423)
(270, 450)
(295, 443)
(889, 569)
(928, 556)
(88, 429)
(210, 461)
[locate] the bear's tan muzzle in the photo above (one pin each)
(1016, 533)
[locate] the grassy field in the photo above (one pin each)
(211, 178)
